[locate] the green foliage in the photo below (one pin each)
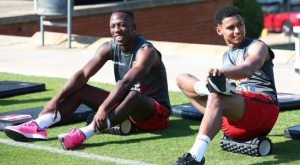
(252, 15)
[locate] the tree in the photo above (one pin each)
(252, 15)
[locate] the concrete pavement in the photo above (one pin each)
(24, 55)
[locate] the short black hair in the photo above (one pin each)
(127, 11)
(226, 11)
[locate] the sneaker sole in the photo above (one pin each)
(61, 141)
(217, 84)
(202, 161)
(20, 137)
(214, 88)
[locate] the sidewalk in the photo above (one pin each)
(22, 55)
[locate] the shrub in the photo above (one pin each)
(252, 15)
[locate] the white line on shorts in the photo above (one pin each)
(72, 153)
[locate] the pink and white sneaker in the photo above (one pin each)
(72, 139)
(28, 131)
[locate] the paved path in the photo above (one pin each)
(23, 55)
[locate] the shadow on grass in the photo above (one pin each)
(176, 128)
(288, 109)
(285, 152)
(290, 46)
(9, 101)
(12, 102)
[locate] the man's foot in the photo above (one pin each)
(28, 131)
(218, 84)
(72, 139)
(188, 159)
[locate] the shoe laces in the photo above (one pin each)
(76, 136)
(29, 123)
(186, 158)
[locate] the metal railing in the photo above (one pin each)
(296, 30)
(67, 24)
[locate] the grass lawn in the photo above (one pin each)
(287, 46)
(157, 147)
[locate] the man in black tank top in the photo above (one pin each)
(252, 109)
(140, 95)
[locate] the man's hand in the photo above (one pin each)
(51, 107)
(217, 82)
(100, 121)
(215, 71)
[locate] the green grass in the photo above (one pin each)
(287, 46)
(157, 147)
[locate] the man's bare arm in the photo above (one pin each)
(146, 59)
(257, 54)
(80, 78)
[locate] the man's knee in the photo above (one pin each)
(181, 78)
(89, 93)
(230, 107)
(81, 92)
(133, 97)
(215, 100)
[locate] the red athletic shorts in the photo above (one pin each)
(260, 117)
(159, 120)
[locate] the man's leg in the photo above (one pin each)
(91, 96)
(145, 113)
(213, 106)
(186, 83)
(259, 119)
(135, 105)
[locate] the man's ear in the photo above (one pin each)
(218, 30)
(134, 27)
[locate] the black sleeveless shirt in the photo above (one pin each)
(262, 80)
(154, 85)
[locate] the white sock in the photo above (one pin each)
(200, 147)
(200, 88)
(88, 130)
(46, 120)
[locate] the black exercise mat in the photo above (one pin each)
(292, 132)
(12, 88)
(287, 101)
(24, 115)
(186, 111)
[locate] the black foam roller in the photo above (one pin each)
(258, 146)
(124, 128)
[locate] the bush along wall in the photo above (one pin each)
(252, 15)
